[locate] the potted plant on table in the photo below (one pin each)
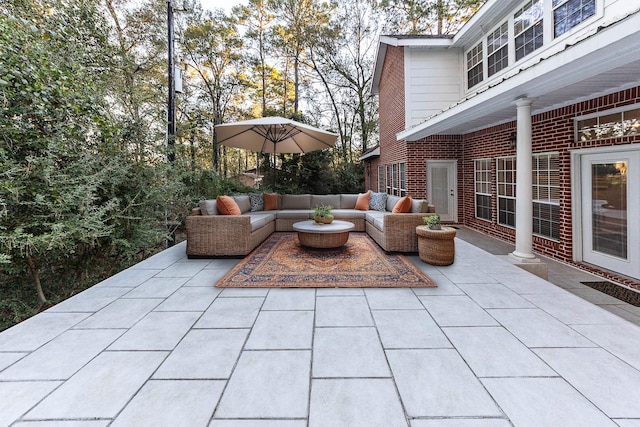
(432, 222)
(322, 214)
(435, 242)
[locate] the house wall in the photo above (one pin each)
(551, 131)
(433, 78)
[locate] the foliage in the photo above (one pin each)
(431, 221)
(322, 211)
(84, 187)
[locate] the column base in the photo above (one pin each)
(531, 264)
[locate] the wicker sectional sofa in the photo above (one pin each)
(210, 234)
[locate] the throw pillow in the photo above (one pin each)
(378, 201)
(362, 204)
(256, 201)
(270, 201)
(403, 205)
(227, 206)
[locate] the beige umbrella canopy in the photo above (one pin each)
(274, 135)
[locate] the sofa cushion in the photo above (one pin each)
(403, 205)
(244, 203)
(362, 204)
(347, 214)
(256, 201)
(295, 214)
(271, 201)
(227, 206)
(208, 207)
(378, 201)
(376, 218)
(260, 220)
(419, 206)
(296, 201)
(391, 202)
(348, 201)
(332, 200)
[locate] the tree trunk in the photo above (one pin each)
(35, 274)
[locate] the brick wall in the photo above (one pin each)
(551, 131)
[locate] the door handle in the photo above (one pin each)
(451, 192)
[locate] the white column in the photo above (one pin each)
(524, 192)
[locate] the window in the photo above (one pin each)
(506, 183)
(395, 179)
(381, 188)
(474, 66)
(403, 180)
(609, 125)
(546, 195)
(569, 13)
(498, 49)
(482, 173)
(527, 27)
(388, 179)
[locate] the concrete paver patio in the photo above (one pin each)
(159, 345)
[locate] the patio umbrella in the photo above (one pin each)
(274, 135)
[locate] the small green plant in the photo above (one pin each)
(322, 211)
(432, 222)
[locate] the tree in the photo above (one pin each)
(212, 48)
(429, 16)
(300, 21)
(135, 70)
(343, 60)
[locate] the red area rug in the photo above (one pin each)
(281, 262)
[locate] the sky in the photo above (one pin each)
(219, 4)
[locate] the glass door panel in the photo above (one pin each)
(611, 211)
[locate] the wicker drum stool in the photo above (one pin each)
(436, 247)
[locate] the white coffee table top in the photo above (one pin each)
(313, 227)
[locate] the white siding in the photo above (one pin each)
(433, 81)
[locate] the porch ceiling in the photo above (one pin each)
(604, 62)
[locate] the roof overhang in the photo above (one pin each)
(604, 61)
(370, 154)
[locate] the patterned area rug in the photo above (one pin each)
(281, 262)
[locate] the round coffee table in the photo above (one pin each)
(315, 235)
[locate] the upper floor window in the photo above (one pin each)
(527, 27)
(569, 13)
(474, 66)
(498, 49)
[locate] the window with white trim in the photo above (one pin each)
(546, 195)
(527, 28)
(394, 190)
(482, 177)
(389, 179)
(498, 49)
(569, 13)
(609, 124)
(474, 66)
(506, 189)
(381, 188)
(403, 180)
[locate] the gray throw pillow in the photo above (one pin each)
(256, 201)
(378, 201)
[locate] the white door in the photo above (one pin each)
(442, 189)
(611, 211)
